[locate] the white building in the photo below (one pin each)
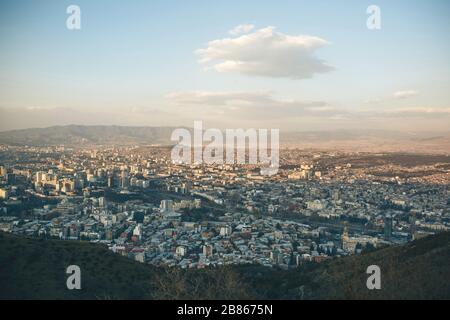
(225, 231)
(181, 251)
(166, 206)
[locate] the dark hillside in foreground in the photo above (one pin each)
(35, 269)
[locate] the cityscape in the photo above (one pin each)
(320, 205)
(196, 152)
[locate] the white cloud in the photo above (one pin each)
(219, 97)
(251, 104)
(34, 108)
(419, 112)
(398, 95)
(240, 29)
(405, 94)
(266, 52)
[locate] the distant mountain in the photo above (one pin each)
(371, 140)
(35, 269)
(88, 135)
(361, 140)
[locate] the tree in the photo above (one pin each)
(334, 251)
(292, 259)
(369, 247)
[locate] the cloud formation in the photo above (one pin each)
(266, 52)
(251, 104)
(242, 28)
(418, 112)
(405, 94)
(398, 95)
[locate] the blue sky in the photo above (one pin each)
(135, 63)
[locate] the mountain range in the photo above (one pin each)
(361, 140)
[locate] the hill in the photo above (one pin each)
(35, 269)
(74, 135)
(352, 140)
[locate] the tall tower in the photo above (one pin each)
(2, 171)
(412, 224)
(124, 179)
(345, 233)
(388, 227)
(345, 238)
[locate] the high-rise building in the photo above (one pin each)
(138, 231)
(102, 202)
(39, 176)
(4, 194)
(388, 227)
(124, 179)
(80, 180)
(276, 256)
(2, 171)
(181, 251)
(336, 195)
(207, 250)
(225, 231)
(110, 181)
(10, 178)
(412, 224)
(166, 206)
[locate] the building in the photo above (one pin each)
(10, 178)
(181, 251)
(102, 202)
(207, 250)
(388, 227)
(336, 196)
(225, 231)
(137, 231)
(2, 171)
(79, 180)
(276, 256)
(124, 180)
(349, 244)
(4, 194)
(315, 205)
(166, 206)
(40, 176)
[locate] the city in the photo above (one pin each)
(197, 152)
(135, 200)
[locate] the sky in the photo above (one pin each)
(293, 65)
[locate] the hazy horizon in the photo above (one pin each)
(412, 132)
(293, 65)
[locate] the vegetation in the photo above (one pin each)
(35, 269)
